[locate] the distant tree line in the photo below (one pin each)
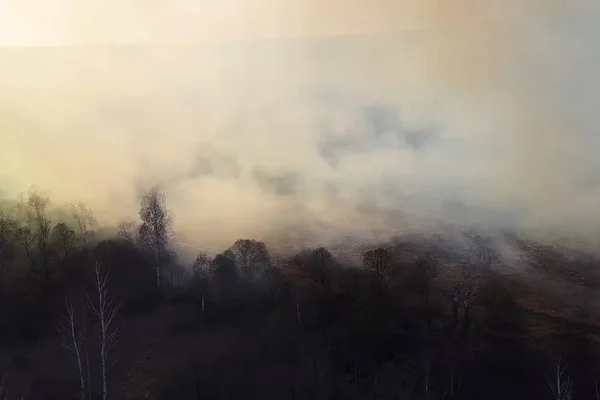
(348, 331)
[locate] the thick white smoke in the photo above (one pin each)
(344, 117)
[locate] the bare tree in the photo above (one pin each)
(73, 340)
(105, 310)
(428, 270)
(8, 238)
(200, 268)
(86, 222)
(321, 259)
(464, 293)
(560, 384)
(157, 225)
(65, 236)
(249, 254)
(481, 253)
(38, 207)
(382, 262)
(26, 239)
(128, 231)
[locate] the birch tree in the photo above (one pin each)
(105, 309)
(73, 340)
(128, 231)
(156, 227)
(560, 383)
(86, 222)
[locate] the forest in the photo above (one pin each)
(89, 317)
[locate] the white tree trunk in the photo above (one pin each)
(560, 384)
(105, 311)
(73, 341)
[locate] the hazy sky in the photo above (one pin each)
(254, 113)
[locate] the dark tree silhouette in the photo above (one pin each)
(38, 214)
(201, 266)
(224, 271)
(427, 269)
(174, 272)
(157, 225)
(201, 270)
(464, 293)
(382, 263)
(249, 255)
(26, 240)
(273, 277)
(64, 236)
(8, 239)
(320, 261)
(86, 222)
(493, 295)
(288, 334)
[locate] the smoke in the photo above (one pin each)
(330, 117)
